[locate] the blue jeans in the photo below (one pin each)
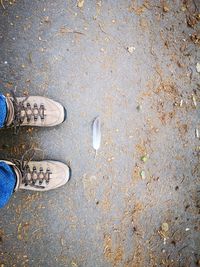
(3, 110)
(7, 174)
(7, 183)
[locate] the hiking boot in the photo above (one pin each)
(40, 175)
(34, 111)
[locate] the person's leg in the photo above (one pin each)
(7, 183)
(3, 110)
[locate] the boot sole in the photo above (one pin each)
(65, 114)
(70, 173)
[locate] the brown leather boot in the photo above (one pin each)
(41, 176)
(34, 111)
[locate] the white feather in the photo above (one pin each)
(96, 133)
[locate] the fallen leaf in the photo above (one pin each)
(165, 227)
(166, 8)
(144, 158)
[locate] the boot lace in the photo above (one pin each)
(26, 111)
(37, 178)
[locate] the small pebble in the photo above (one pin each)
(197, 133)
(194, 100)
(183, 8)
(131, 49)
(80, 3)
(198, 67)
(139, 107)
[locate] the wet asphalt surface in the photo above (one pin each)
(133, 63)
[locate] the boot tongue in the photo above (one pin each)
(10, 111)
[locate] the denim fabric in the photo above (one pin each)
(3, 110)
(7, 183)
